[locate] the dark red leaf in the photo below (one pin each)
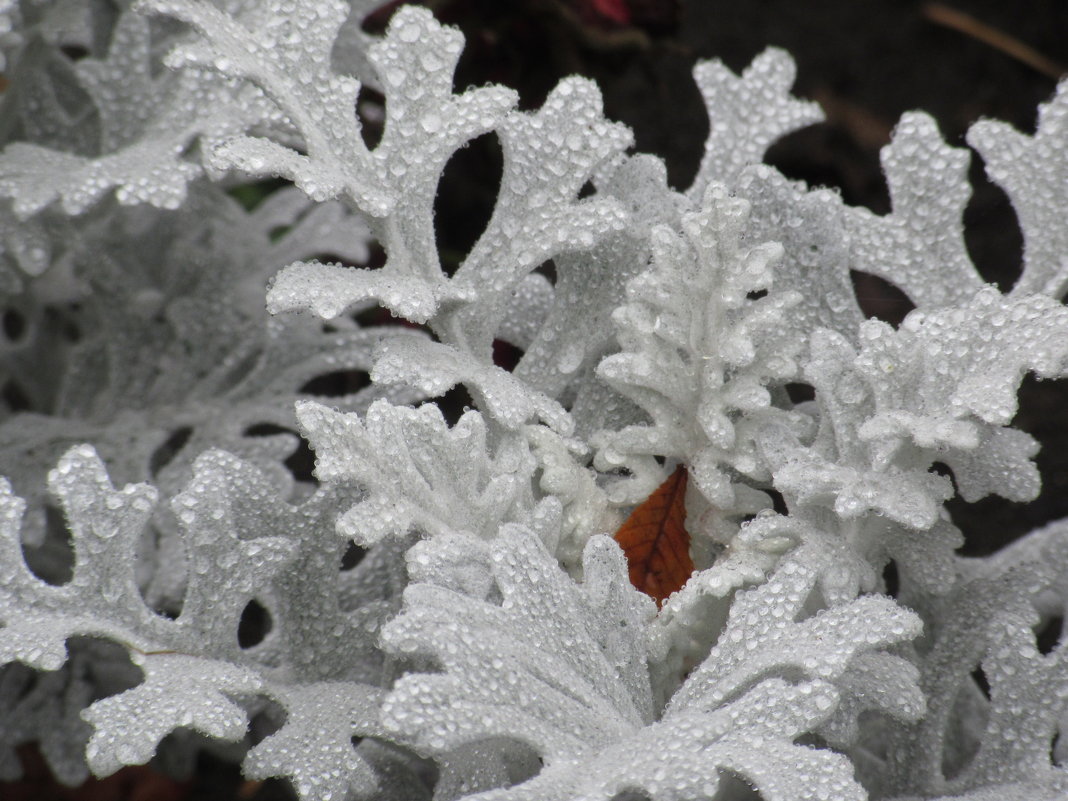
(615, 10)
(655, 540)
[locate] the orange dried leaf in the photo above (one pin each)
(655, 541)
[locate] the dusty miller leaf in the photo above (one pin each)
(1033, 171)
(562, 667)
(417, 472)
(746, 115)
(698, 353)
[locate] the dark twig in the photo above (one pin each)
(941, 14)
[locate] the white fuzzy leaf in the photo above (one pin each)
(746, 115)
(435, 368)
(314, 747)
(698, 353)
(919, 246)
(178, 691)
(1033, 171)
(418, 472)
(562, 667)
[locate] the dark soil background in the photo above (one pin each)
(864, 62)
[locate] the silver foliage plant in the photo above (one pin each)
(489, 644)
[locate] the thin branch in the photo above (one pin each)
(941, 14)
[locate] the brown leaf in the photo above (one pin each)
(248, 789)
(655, 540)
